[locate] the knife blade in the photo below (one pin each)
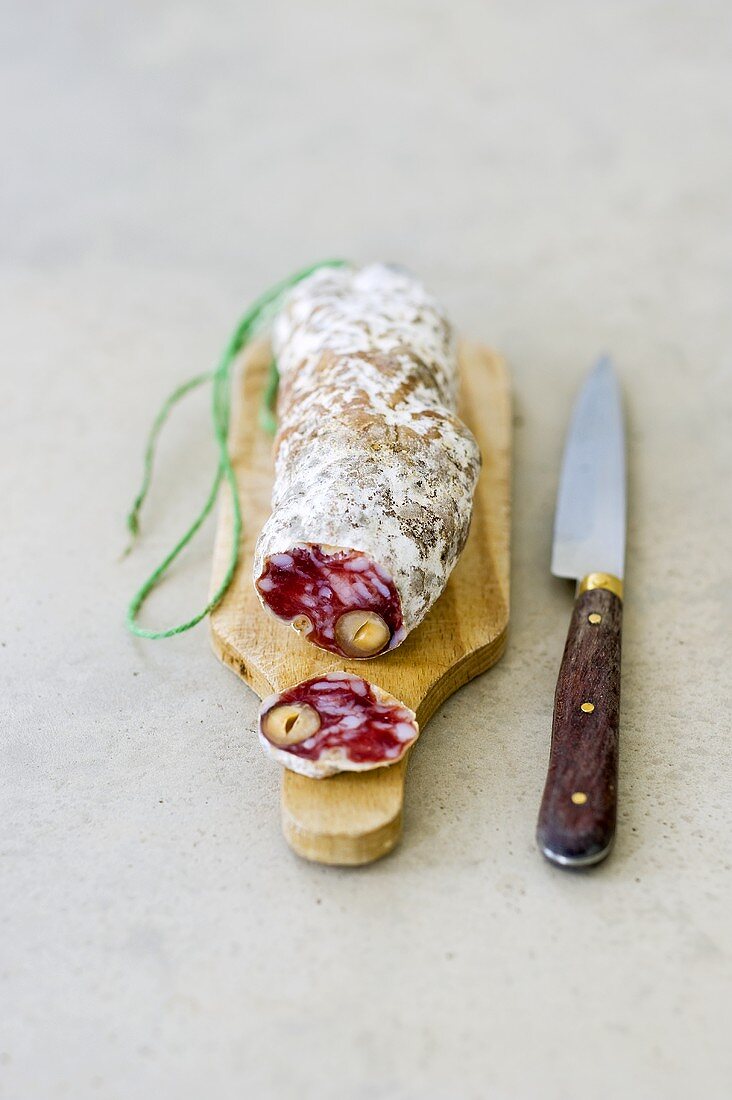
(578, 813)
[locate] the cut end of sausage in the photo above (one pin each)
(336, 722)
(336, 597)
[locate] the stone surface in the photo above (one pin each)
(559, 175)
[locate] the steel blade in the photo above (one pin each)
(589, 525)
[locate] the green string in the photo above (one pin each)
(133, 519)
(253, 320)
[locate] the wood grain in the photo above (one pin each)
(355, 818)
(579, 807)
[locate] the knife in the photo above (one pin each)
(579, 807)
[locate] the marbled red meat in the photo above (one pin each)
(348, 724)
(316, 587)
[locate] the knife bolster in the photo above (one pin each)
(601, 580)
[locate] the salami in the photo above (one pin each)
(335, 722)
(374, 471)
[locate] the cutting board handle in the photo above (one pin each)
(579, 808)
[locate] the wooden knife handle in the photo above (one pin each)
(579, 807)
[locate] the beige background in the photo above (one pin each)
(560, 174)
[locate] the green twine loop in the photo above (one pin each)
(253, 320)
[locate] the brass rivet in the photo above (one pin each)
(579, 798)
(594, 617)
(588, 707)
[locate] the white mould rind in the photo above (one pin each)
(370, 454)
(329, 763)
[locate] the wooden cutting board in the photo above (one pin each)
(354, 818)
